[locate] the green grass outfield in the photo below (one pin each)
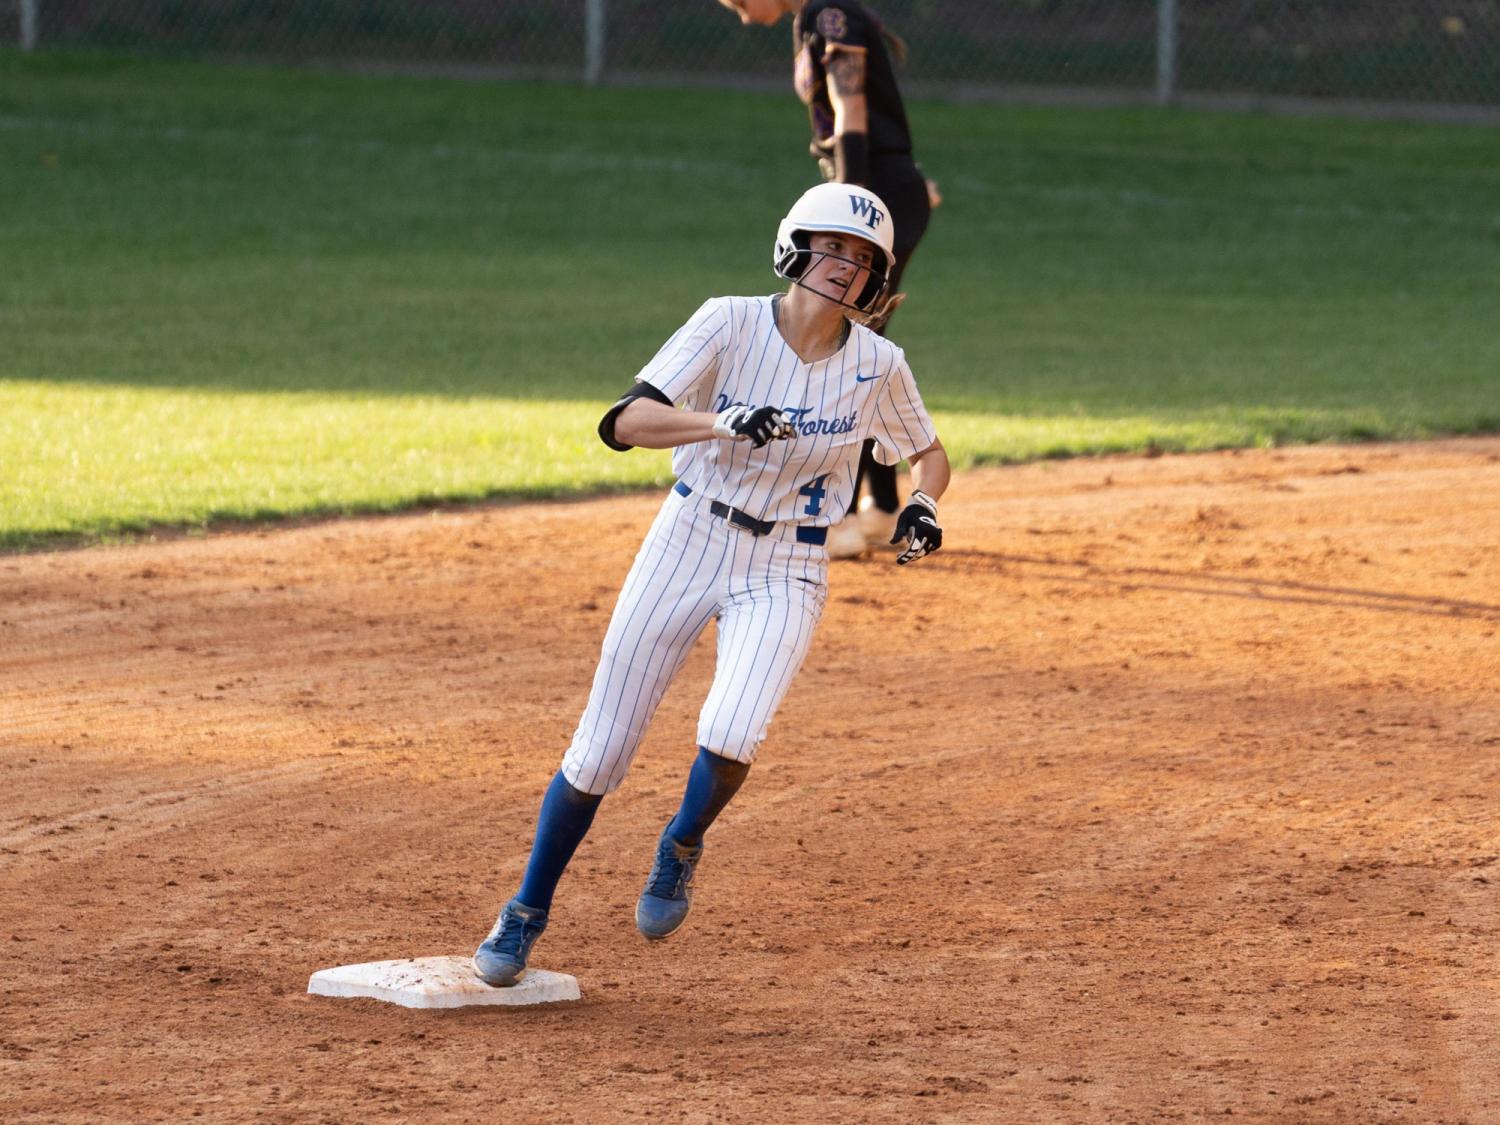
(239, 293)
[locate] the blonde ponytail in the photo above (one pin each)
(874, 319)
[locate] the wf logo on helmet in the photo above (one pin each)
(864, 209)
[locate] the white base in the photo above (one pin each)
(438, 982)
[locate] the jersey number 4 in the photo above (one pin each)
(814, 491)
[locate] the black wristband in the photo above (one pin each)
(851, 157)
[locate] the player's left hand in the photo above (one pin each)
(917, 525)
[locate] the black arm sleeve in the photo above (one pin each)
(607, 423)
(851, 154)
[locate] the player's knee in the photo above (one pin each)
(733, 745)
(598, 779)
(599, 759)
(727, 754)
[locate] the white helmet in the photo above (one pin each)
(845, 209)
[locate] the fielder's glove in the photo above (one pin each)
(759, 425)
(917, 525)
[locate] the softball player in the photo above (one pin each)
(766, 403)
(844, 74)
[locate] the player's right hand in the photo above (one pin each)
(758, 426)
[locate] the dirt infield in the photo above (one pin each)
(1167, 790)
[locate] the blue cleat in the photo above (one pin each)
(502, 957)
(664, 904)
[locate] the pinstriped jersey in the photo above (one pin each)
(731, 352)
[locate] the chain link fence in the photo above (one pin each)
(1437, 52)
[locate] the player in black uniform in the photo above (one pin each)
(845, 76)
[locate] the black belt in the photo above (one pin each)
(814, 535)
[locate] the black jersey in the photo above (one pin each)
(824, 27)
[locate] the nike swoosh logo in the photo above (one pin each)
(865, 378)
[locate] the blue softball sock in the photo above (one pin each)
(560, 827)
(712, 782)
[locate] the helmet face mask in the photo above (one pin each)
(843, 209)
(799, 260)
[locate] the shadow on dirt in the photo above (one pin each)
(1208, 584)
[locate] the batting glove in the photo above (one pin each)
(917, 525)
(757, 425)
